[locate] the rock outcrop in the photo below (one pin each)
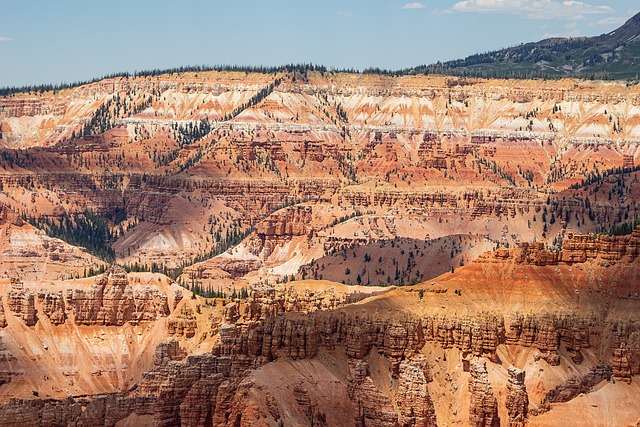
(483, 408)
(374, 408)
(22, 303)
(111, 301)
(576, 249)
(184, 323)
(517, 398)
(577, 385)
(412, 398)
(53, 306)
(3, 317)
(541, 333)
(474, 336)
(167, 351)
(268, 302)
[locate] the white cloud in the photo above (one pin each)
(617, 20)
(5, 39)
(345, 13)
(413, 5)
(533, 9)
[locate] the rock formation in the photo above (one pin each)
(414, 403)
(3, 317)
(267, 179)
(167, 351)
(184, 323)
(517, 398)
(112, 301)
(53, 306)
(483, 409)
(22, 304)
(579, 384)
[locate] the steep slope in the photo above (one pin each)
(204, 157)
(27, 252)
(615, 55)
(503, 341)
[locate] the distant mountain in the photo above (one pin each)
(615, 55)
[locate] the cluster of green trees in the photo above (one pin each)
(597, 177)
(188, 133)
(86, 229)
(493, 166)
(105, 117)
(6, 91)
(231, 239)
(625, 228)
(255, 99)
(210, 292)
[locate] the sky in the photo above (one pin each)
(47, 41)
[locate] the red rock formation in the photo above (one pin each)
(167, 351)
(620, 364)
(3, 318)
(574, 386)
(576, 248)
(282, 226)
(412, 398)
(53, 306)
(483, 410)
(22, 304)
(268, 302)
(111, 301)
(177, 297)
(541, 333)
(517, 398)
(477, 336)
(581, 248)
(184, 323)
(374, 408)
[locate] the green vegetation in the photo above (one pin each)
(86, 229)
(106, 116)
(624, 228)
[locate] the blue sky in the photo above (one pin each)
(46, 41)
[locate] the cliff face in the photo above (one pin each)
(27, 253)
(483, 410)
(221, 386)
(22, 304)
(112, 301)
(517, 398)
(576, 249)
(415, 405)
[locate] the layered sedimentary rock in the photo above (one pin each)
(483, 408)
(112, 301)
(266, 302)
(294, 221)
(167, 351)
(581, 248)
(576, 249)
(579, 384)
(53, 306)
(3, 317)
(475, 336)
(22, 304)
(541, 333)
(517, 398)
(374, 408)
(414, 403)
(184, 323)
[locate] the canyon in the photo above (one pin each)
(304, 247)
